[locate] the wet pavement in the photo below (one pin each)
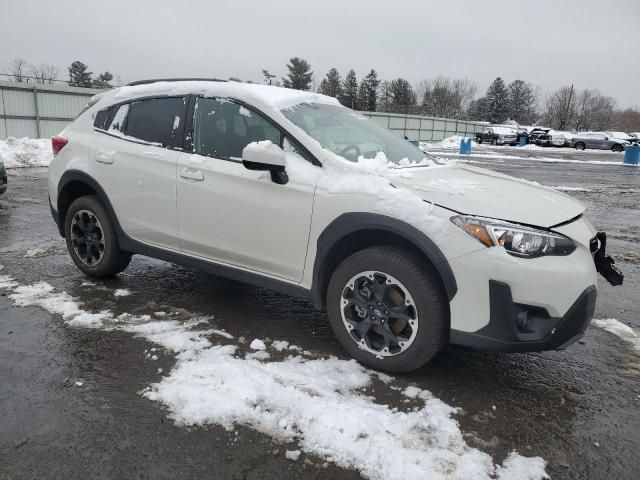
(578, 409)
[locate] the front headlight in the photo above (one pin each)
(519, 241)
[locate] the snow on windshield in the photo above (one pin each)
(350, 135)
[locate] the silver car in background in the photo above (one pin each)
(596, 140)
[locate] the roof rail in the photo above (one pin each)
(154, 80)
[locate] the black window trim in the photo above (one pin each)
(116, 107)
(284, 133)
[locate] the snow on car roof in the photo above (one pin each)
(275, 97)
(503, 129)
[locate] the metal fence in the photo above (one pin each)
(38, 110)
(423, 128)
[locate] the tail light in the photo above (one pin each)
(57, 144)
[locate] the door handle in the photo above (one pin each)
(104, 157)
(191, 174)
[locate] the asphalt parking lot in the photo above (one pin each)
(578, 409)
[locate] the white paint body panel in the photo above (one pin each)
(238, 217)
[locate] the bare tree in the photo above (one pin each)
(561, 108)
(627, 120)
(17, 70)
(44, 73)
(446, 97)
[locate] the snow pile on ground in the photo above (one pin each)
(448, 143)
(564, 188)
(25, 152)
(315, 402)
(621, 330)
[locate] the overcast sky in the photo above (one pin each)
(591, 43)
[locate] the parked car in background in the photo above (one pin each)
(559, 138)
(540, 137)
(622, 136)
(497, 136)
(3, 178)
(635, 136)
(597, 140)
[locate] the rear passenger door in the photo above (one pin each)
(232, 215)
(134, 159)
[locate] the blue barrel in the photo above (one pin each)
(465, 146)
(523, 141)
(632, 155)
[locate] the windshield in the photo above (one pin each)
(352, 135)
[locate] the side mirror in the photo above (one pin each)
(268, 157)
(606, 138)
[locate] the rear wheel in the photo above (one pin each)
(91, 239)
(387, 309)
(617, 148)
(579, 146)
(494, 141)
(479, 140)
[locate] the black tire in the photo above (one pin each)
(479, 141)
(494, 141)
(423, 285)
(112, 260)
(579, 146)
(617, 148)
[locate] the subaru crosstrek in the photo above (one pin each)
(291, 191)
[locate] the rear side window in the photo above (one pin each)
(157, 120)
(119, 120)
(102, 117)
(222, 128)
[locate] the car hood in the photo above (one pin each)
(475, 191)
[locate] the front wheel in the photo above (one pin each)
(580, 146)
(617, 148)
(91, 239)
(387, 309)
(479, 140)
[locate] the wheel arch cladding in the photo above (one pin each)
(352, 232)
(75, 184)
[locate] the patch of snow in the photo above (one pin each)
(621, 330)
(25, 152)
(34, 252)
(292, 455)
(221, 333)
(257, 344)
(316, 402)
(244, 111)
(280, 345)
(121, 292)
(564, 188)
(79, 384)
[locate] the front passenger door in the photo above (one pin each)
(234, 216)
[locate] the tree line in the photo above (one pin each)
(19, 70)
(518, 101)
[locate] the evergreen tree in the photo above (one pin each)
(103, 80)
(78, 75)
(521, 101)
(403, 96)
(299, 76)
(268, 77)
(368, 92)
(331, 85)
(349, 97)
(497, 101)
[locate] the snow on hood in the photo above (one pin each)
(275, 97)
(475, 191)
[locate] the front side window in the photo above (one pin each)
(157, 120)
(350, 134)
(222, 128)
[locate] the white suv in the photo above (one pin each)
(291, 191)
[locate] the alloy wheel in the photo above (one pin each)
(87, 237)
(379, 313)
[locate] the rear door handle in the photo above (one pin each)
(104, 157)
(189, 174)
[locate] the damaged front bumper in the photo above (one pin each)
(605, 265)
